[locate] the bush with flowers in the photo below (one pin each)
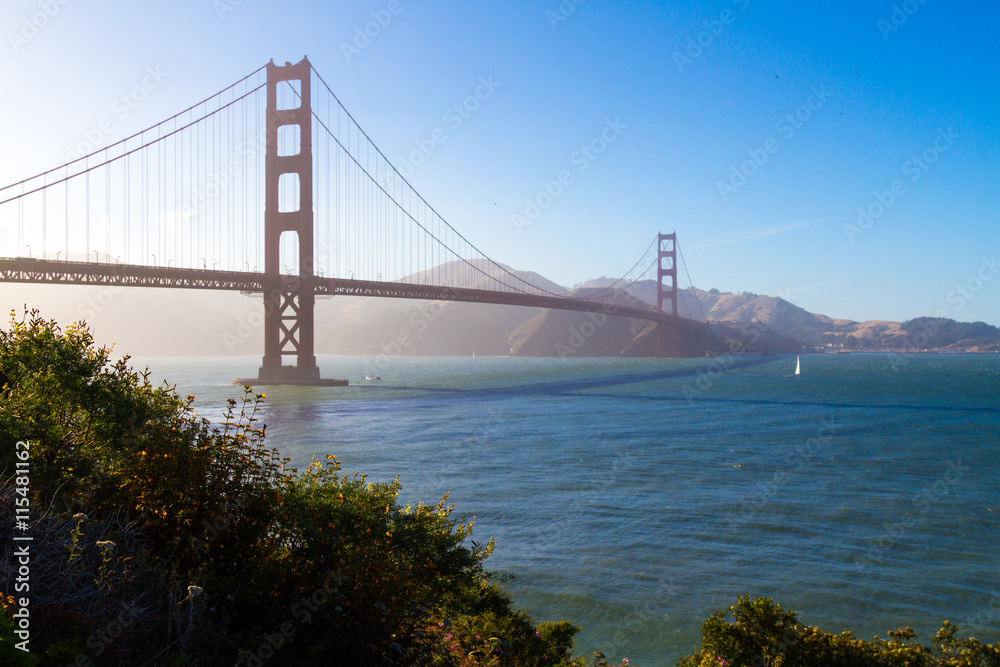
(162, 539)
(762, 634)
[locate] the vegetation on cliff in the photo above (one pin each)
(759, 633)
(161, 539)
(158, 538)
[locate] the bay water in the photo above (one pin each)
(637, 496)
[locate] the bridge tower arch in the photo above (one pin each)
(666, 290)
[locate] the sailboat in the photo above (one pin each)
(798, 367)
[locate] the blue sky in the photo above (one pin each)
(833, 101)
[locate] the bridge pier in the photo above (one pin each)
(289, 302)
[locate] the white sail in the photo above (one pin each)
(798, 367)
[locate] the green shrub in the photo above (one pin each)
(165, 540)
(9, 654)
(761, 633)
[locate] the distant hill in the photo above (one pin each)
(822, 332)
(174, 322)
(478, 274)
(745, 323)
(565, 333)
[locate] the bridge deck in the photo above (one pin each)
(24, 270)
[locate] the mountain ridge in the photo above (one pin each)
(150, 322)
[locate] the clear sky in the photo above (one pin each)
(755, 130)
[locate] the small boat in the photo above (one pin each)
(372, 377)
(798, 367)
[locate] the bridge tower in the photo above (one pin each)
(666, 268)
(289, 302)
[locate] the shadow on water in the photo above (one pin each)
(822, 404)
(564, 387)
(576, 387)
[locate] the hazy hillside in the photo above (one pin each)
(176, 322)
(819, 331)
(427, 328)
(479, 274)
(564, 333)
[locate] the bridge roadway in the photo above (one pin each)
(25, 270)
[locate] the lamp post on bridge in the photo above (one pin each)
(29, 250)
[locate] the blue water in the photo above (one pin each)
(636, 497)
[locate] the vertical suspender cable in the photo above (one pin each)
(86, 242)
(45, 197)
(66, 231)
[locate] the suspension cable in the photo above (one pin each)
(696, 299)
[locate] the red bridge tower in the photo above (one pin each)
(666, 267)
(289, 301)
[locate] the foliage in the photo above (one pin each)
(9, 655)
(162, 539)
(761, 633)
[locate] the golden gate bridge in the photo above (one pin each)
(266, 187)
